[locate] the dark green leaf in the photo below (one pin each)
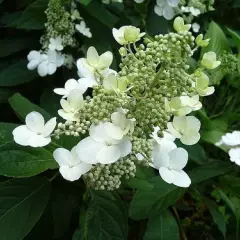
(23, 106)
(232, 184)
(209, 170)
(85, 2)
(98, 11)
(16, 74)
(106, 218)
(11, 20)
(10, 46)
(162, 226)
(162, 196)
(139, 184)
(235, 36)
(218, 218)
(50, 102)
(33, 17)
(21, 162)
(22, 203)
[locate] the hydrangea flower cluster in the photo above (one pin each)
(231, 143)
(61, 27)
(132, 116)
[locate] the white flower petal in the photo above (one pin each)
(108, 154)
(190, 137)
(158, 10)
(125, 146)
(181, 179)
(35, 122)
(75, 99)
(87, 150)
(21, 135)
(43, 69)
(92, 56)
(62, 156)
(173, 3)
(61, 91)
(98, 133)
(65, 105)
(33, 64)
(34, 55)
(49, 127)
(166, 174)
(193, 123)
(168, 12)
(173, 131)
(234, 154)
(67, 115)
(52, 68)
(231, 139)
(178, 158)
(105, 60)
(113, 131)
(36, 140)
(71, 173)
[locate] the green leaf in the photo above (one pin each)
(23, 106)
(218, 41)
(50, 102)
(232, 184)
(106, 218)
(16, 161)
(21, 163)
(16, 74)
(210, 170)
(211, 136)
(98, 11)
(33, 16)
(162, 196)
(85, 2)
(22, 203)
(11, 20)
(162, 226)
(218, 218)
(139, 184)
(235, 37)
(9, 46)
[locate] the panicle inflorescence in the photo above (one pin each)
(59, 23)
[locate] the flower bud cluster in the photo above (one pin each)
(230, 63)
(108, 177)
(59, 23)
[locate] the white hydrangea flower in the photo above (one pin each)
(106, 144)
(170, 161)
(195, 27)
(71, 106)
(88, 75)
(83, 29)
(34, 58)
(119, 119)
(209, 60)
(70, 166)
(127, 34)
(35, 133)
(55, 44)
(51, 62)
(234, 154)
(165, 8)
(183, 105)
(186, 128)
(201, 85)
(231, 139)
(70, 85)
(179, 25)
